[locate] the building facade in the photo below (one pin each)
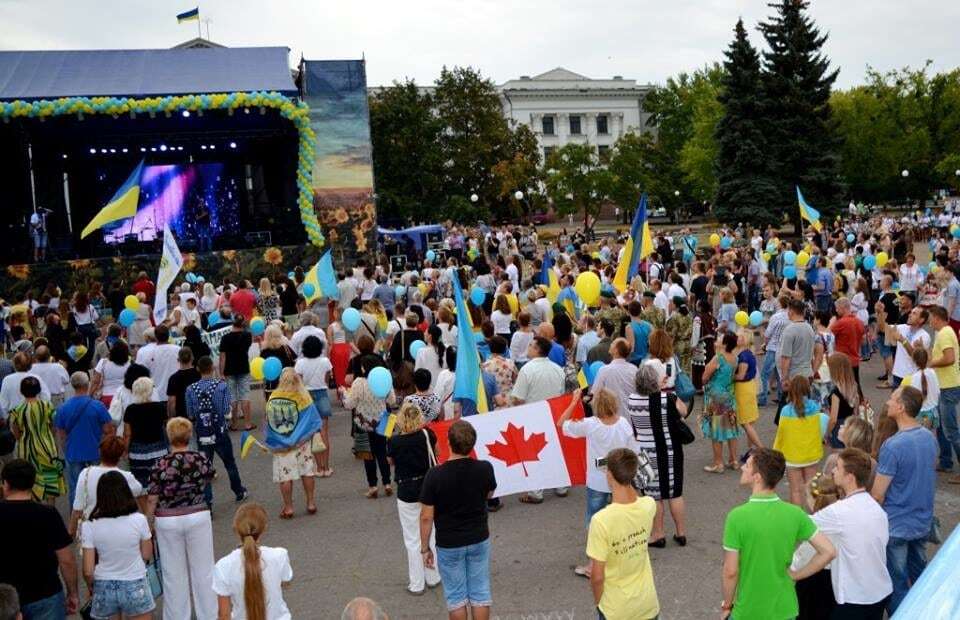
(563, 107)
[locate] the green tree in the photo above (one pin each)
(629, 168)
(796, 93)
(520, 172)
(746, 190)
(404, 133)
(576, 181)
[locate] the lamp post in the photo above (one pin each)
(676, 212)
(905, 174)
(474, 198)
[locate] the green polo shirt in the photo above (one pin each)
(765, 532)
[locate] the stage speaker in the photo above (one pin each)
(398, 262)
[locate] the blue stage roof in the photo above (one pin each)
(143, 73)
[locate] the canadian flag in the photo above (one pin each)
(525, 447)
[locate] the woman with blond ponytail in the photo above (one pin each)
(248, 581)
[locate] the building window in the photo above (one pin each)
(574, 125)
(548, 126)
(548, 151)
(602, 125)
(603, 152)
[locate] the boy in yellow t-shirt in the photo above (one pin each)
(620, 571)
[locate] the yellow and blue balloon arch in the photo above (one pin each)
(296, 112)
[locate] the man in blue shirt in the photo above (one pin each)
(81, 422)
(823, 286)
(557, 355)
(385, 293)
(905, 486)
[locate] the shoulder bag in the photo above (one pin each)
(676, 424)
(682, 384)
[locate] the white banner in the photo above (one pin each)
(170, 264)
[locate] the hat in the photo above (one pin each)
(910, 294)
(679, 301)
(608, 293)
(649, 294)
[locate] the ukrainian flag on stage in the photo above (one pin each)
(639, 246)
(121, 206)
(808, 213)
(189, 16)
(323, 278)
(468, 383)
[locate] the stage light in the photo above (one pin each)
(179, 148)
(186, 114)
(143, 149)
(203, 146)
(64, 155)
(213, 147)
(163, 147)
(93, 151)
(246, 110)
(125, 149)
(104, 151)
(113, 150)
(153, 149)
(233, 145)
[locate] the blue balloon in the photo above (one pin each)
(190, 277)
(790, 272)
(415, 347)
(257, 326)
(291, 275)
(725, 243)
(431, 255)
(272, 367)
(772, 247)
(309, 290)
(399, 291)
(592, 371)
(127, 317)
(756, 317)
(477, 296)
(789, 257)
(213, 318)
(380, 381)
(956, 232)
(351, 319)
(869, 262)
(851, 238)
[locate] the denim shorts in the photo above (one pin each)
(887, 351)
(239, 386)
(596, 501)
(465, 573)
(321, 400)
(111, 598)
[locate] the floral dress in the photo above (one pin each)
(269, 307)
(178, 480)
(719, 420)
(680, 329)
(38, 446)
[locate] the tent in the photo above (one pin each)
(417, 233)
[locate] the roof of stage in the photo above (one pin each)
(142, 73)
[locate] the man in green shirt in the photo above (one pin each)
(759, 539)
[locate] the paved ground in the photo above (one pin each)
(353, 546)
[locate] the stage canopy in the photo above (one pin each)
(128, 73)
(417, 233)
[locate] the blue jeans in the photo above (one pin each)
(224, 449)
(73, 474)
(596, 501)
(906, 559)
(769, 368)
(112, 597)
(949, 435)
(50, 608)
(465, 573)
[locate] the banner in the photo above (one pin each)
(525, 447)
(170, 264)
(212, 340)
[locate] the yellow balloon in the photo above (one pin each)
(130, 302)
(714, 239)
(953, 227)
(587, 287)
(802, 258)
(742, 318)
(882, 259)
(256, 368)
(766, 257)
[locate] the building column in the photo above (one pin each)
(562, 125)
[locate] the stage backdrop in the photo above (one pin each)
(336, 91)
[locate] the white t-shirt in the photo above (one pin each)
(601, 439)
(518, 345)
(86, 497)
(443, 388)
(933, 388)
(910, 277)
(448, 334)
(858, 528)
(117, 541)
(501, 322)
(428, 359)
(314, 371)
(228, 580)
(162, 364)
(903, 365)
(112, 375)
(514, 275)
(661, 368)
(296, 341)
(52, 374)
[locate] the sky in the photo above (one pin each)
(645, 40)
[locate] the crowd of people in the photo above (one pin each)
(126, 422)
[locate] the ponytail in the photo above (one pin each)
(249, 523)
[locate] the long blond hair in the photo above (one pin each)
(290, 381)
(272, 337)
(250, 522)
(266, 288)
(841, 373)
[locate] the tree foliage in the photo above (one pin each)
(576, 181)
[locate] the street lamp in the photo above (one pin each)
(905, 173)
(474, 198)
(518, 195)
(676, 193)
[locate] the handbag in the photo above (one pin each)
(316, 444)
(155, 573)
(683, 385)
(678, 426)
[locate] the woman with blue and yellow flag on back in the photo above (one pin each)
(292, 421)
(800, 436)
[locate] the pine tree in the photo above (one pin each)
(746, 190)
(796, 87)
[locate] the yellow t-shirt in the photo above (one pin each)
(514, 304)
(947, 376)
(618, 537)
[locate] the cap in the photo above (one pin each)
(608, 293)
(649, 294)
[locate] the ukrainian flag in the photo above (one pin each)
(548, 278)
(468, 383)
(247, 442)
(121, 206)
(808, 213)
(323, 278)
(292, 419)
(189, 16)
(639, 246)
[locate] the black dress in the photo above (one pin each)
(650, 418)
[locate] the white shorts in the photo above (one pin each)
(294, 464)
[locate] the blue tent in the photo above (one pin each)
(417, 233)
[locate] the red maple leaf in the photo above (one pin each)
(517, 449)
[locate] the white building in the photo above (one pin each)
(561, 107)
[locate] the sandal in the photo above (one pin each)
(714, 469)
(286, 515)
(733, 465)
(372, 493)
(388, 490)
(312, 510)
(529, 499)
(582, 571)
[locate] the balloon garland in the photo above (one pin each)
(297, 113)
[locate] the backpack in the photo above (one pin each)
(208, 424)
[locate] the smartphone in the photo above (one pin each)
(669, 369)
(600, 462)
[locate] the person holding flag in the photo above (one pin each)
(639, 245)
